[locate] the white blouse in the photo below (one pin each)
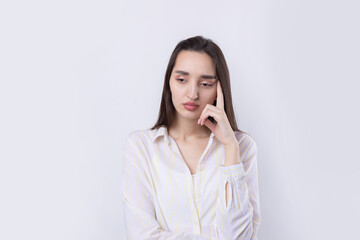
(162, 200)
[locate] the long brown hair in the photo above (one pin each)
(198, 44)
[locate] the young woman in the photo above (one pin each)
(193, 175)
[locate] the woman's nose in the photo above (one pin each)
(193, 91)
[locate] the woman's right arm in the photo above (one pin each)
(139, 211)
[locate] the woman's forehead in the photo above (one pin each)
(194, 63)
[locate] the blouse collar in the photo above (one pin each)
(162, 131)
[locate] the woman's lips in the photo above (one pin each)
(190, 107)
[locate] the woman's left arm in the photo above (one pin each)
(251, 177)
(237, 207)
(238, 213)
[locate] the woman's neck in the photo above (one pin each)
(187, 130)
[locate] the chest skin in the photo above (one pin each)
(192, 151)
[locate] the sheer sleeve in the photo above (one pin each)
(239, 217)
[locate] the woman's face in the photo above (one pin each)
(193, 79)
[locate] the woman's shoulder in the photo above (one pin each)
(140, 135)
(245, 140)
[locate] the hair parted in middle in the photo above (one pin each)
(202, 45)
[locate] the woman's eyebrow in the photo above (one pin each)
(202, 76)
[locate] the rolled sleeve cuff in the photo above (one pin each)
(229, 174)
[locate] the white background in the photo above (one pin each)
(78, 76)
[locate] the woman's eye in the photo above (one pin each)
(181, 80)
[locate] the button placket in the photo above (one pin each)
(196, 225)
(194, 210)
(195, 185)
